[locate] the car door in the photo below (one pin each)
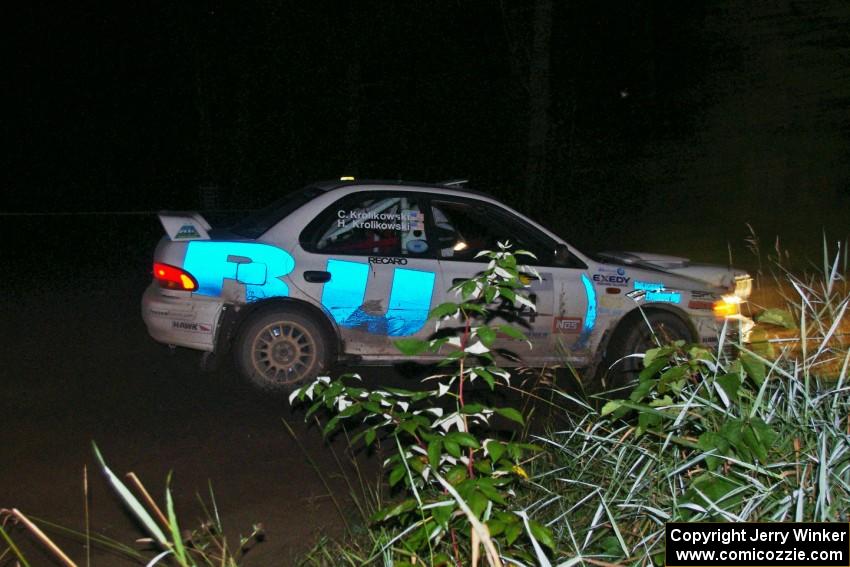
(374, 270)
(559, 326)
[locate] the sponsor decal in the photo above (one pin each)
(663, 296)
(393, 261)
(649, 286)
(191, 327)
(618, 271)
(566, 325)
(699, 304)
(187, 231)
(611, 280)
(403, 221)
(158, 313)
(703, 295)
(611, 302)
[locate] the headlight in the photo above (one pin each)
(728, 306)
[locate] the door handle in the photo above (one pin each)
(314, 276)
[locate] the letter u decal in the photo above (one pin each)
(409, 303)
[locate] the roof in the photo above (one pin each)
(454, 185)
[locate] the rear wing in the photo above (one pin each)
(184, 225)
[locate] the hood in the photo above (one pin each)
(714, 276)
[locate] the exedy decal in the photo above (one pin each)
(619, 281)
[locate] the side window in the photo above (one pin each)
(464, 229)
(382, 224)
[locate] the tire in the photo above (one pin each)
(616, 374)
(279, 351)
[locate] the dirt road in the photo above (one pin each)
(77, 366)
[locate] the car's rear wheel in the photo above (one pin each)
(618, 372)
(280, 350)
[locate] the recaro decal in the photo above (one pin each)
(257, 266)
(407, 310)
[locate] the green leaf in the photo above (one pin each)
(778, 317)
(463, 438)
(495, 449)
(442, 514)
(610, 407)
(456, 475)
(654, 367)
(512, 414)
(730, 384)
(468, 288)
(485, 374)
(369, 436)
(452, 448)
(397, 474)
(435, 450)
(443, 310)
(669, 376)
(754, 443)
(394, 510)
(712, 441)
(512, 332)
(411, 347)
(753, 367)
(542, 534)
(487, 335)
(642, 389)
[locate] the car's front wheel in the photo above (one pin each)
(280, 350)
(619, 371)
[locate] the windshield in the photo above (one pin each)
(258, 222)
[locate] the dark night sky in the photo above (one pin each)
(657, 110)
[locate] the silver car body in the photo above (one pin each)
(372, 299)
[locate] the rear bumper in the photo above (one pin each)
(181, 319)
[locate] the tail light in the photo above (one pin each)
(170, 277)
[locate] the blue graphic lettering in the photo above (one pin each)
(590, 312)
(258, 266)
(663, 297)
(409, 303)
(344, 293)
(649, 286)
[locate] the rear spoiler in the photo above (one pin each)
(184, 225)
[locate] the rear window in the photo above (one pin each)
(260, 221)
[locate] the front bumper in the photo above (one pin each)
(181, 318)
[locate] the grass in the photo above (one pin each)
(761, 435)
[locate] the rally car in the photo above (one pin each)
(339, 270)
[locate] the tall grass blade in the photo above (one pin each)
(131, 501)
